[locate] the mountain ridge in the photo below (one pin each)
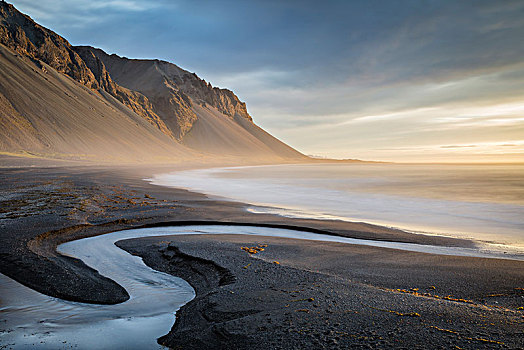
(171, 88)
(196, 116)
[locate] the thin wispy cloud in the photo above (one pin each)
(124, 5)
(51, 8)
(81, 14)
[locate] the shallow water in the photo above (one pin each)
(34, 319)
(480, 202)
(29, 319)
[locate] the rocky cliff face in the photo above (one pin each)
(202, 92)
(137, 102)
(172, 90)
(166, 100)
(21, 34)
(144, 76)
(183, 107)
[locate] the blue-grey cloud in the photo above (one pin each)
(306, 64)
(343, 39)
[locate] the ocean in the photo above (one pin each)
(484, 203)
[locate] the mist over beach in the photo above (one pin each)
(480, 202)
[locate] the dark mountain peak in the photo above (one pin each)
(148, 95)
(21, 34)
(200, 91)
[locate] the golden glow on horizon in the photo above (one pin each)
(486, 152)
(492, 133)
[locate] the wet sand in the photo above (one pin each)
(43, 207)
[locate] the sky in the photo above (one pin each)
(392, 80)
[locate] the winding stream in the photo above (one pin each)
(29, 319)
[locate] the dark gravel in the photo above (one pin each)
(331, 295)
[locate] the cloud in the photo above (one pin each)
(127, 5)
(339, 76)
(63, 15)
(491, 94)
(458, 146)
(56, 8)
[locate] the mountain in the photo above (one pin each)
(202, 117)
(58, 100)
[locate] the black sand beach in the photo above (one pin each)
(305, 294)
(360, 296)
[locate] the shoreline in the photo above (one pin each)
(49, 206)
(44, 207)
(492, 225)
